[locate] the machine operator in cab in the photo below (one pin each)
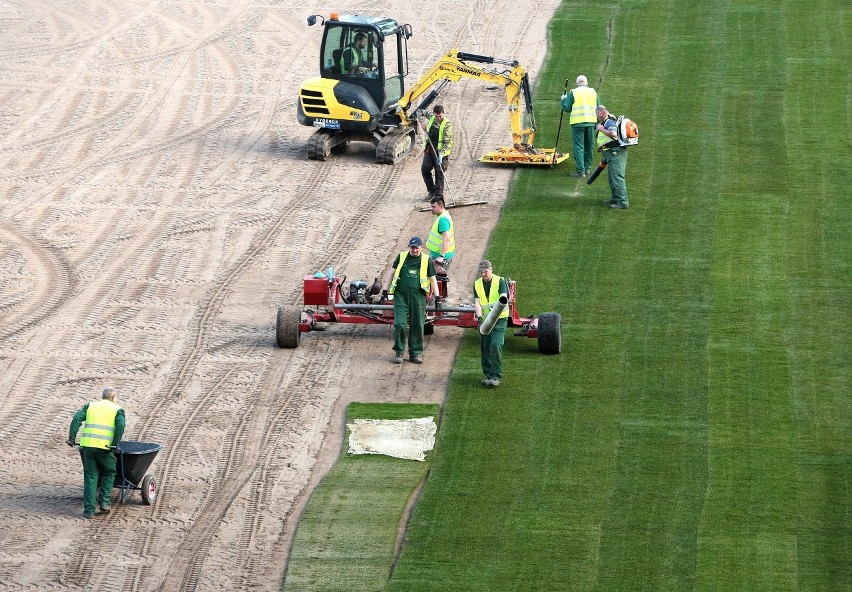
(354, 60)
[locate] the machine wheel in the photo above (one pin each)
(287, 327)
(395, 146)
(428, 329)
(550, 333)
(149, 490)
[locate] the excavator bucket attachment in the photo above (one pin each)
(525, 155)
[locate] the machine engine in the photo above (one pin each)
(357, 292)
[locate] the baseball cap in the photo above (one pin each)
(484, 264)
(415, 242)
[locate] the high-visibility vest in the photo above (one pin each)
(585, 103)
(435, 242)
(487, 303)
(440, 147)
(100, 424)
(424, 269)
(602, 138)
(357, 58)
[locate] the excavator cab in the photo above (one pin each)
(363, 64)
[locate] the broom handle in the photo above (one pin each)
(559, 129)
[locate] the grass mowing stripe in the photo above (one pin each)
(747, 539)
(649, 534)
(819, 286)
(346, 535)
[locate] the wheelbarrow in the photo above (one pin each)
(133, 459)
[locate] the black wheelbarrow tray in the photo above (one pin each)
(132, 460)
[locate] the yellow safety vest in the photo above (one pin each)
(357, 58)
(585, 103)
(440, 147)
(424, 269)
(100, 424)
(487, 303)
(601, 137)
(435, 242)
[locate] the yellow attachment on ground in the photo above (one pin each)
(525, 155)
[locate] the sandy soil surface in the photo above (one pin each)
(156, 206)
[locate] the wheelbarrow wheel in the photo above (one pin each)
(428, 329)
(149, 490)
(550, 333)
(287, 326)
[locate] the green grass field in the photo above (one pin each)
(696, 432)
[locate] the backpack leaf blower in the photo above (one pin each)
(596, 172)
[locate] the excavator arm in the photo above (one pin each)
(454, 66)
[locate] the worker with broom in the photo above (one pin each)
(580, 103)
(436, 151)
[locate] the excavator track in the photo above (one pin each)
(323, 141)
(395, 146)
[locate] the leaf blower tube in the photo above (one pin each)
(597, 172)
(493, 316)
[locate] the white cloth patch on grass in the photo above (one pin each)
(401, 438)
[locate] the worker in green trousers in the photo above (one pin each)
(409, 280)
(487, 291)
(102, 432)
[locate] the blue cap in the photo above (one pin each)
(415, 242)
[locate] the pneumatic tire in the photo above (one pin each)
(550, 333)
(149, 490)
(287, 327)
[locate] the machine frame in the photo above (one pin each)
(326, 293)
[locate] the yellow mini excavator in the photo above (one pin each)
(360, 95)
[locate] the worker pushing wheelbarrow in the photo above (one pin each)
(132, 461)
(108, 461)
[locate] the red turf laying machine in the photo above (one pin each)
(361, 303)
